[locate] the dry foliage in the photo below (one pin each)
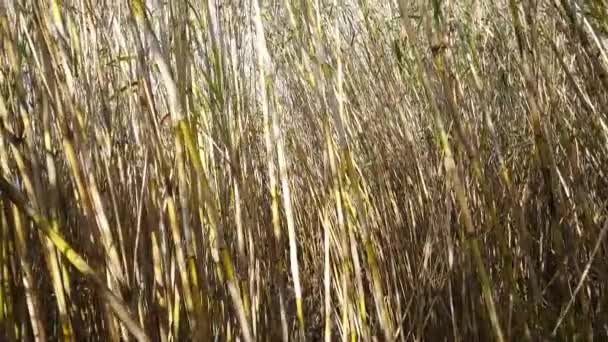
(279, 170)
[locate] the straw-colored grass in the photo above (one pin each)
(303, 170)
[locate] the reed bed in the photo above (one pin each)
(303, 170)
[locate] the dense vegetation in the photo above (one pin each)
(337, 170)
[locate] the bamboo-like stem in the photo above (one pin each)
(72, 256)
(274, 147)
(184, 141)
(469, 230)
